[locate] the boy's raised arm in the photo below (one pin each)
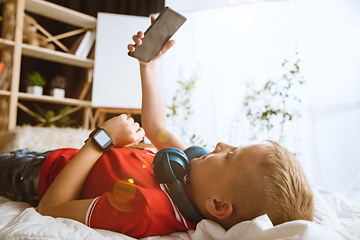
(153, 111)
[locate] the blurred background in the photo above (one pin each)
(230, 53)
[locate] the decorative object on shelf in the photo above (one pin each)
(269, 108)
(86, 44)
(49, 118)
(57, 86)
(3, 74)
(31, 35)
(35, 83)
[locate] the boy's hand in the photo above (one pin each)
(138, 41)
(124, 131)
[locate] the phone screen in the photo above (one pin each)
(159, 32)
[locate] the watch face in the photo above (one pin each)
(102, 138)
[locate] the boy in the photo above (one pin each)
(116, 189)
(231, 184)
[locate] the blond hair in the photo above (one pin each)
(277, 187)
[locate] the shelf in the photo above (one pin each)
(59, 13)
(51, 99)
(4, 93)
(5, 43)
(48, 99)
(120, 110)
(49, 55)
(56, 56)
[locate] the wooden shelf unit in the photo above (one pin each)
(12, 43)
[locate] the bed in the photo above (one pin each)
(336, 217)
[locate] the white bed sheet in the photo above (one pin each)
(336, 218)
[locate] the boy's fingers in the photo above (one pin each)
(138, 136)
(131, 48)
(135, 127)
(131, 121)
(152, 19)
(137, 40)
(140, 133)
(123, 116)
(140, 34)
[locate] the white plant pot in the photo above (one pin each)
(36, 90)
(57, 92)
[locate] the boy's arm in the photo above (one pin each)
(61, 199)
(152, 110)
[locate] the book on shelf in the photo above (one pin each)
(3, 74)
(76, 44)
(86, 44)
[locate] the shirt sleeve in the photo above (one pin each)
(90, 211)
(52, 166)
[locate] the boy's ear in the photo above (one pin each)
(219, 208)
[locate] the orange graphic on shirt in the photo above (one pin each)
(122, 193)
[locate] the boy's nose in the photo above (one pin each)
(221, 146)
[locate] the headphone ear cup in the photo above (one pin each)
(195, 152)
(170, 164)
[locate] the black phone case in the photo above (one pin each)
(159, 32)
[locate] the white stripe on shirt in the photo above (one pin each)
(90, 211)
(179, 217)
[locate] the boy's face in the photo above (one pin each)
(214, 173)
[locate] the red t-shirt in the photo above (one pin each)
(128, 197)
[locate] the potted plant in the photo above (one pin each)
(35, 83)
(61, 119)
(58, 84)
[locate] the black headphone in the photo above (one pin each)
(170, 165)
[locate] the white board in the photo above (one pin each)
(116, 75)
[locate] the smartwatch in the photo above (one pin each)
(101, 139)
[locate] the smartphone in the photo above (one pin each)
(159, 32)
